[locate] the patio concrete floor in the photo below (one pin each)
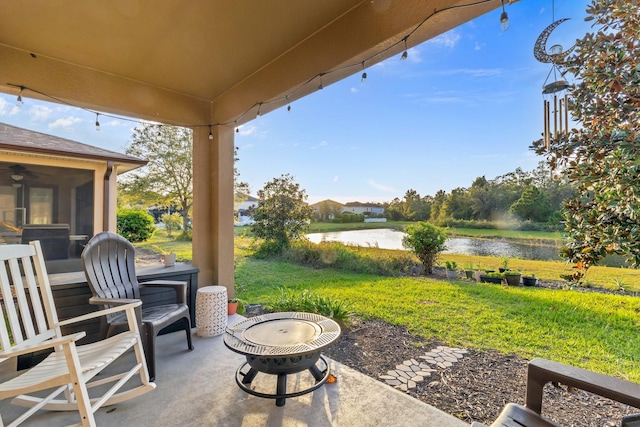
(198, 388)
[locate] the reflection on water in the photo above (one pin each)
(385, 238)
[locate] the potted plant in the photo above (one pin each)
(505, 265)
(167, 258)
(529, 280)
(512, 277)
(235, 305)
(468, 271)
(492, 277)
(451, 267)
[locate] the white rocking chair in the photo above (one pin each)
(31, 324)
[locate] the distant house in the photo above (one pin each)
(241, 204)
(326, 210)
(55, 190)
(363, 208)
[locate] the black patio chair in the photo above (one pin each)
(542, 371)
(109, 265)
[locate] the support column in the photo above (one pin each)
(213, 207)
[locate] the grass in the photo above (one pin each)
(591, 330)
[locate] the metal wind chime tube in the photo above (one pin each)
(556, 88)
(560, 118)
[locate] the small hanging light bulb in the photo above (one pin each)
(364, 74)
(504, 19)
(405, 54)
(97, 121)
(288, 104)
(237, 130)
(159, 132)
(210, 134)
(19, 101)
(321, 83)
(258, 112)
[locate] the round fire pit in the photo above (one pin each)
(282, 344)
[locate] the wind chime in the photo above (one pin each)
(556, 100)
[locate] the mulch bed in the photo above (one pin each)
(474, 389)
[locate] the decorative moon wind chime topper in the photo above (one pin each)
(560, 118)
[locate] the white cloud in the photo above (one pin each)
(322, 144)
(381, 187)
(7, 109)
(445, 99)
(40, 112)
(449, 39)
(475, 72)
(247, 130)
(354, 90)
(478, 46)
(335, 178)
(64, 123)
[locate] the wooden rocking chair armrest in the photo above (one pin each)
(541, 371)
(178, 286)
(132, 304)
(18, 351)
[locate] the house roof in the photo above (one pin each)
(364, 205)
(327, 201)
(26, 141)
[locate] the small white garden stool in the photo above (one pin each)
(211, 311)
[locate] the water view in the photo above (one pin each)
(385, 238)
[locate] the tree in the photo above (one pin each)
(282, 213)
(533, 205)
(167, 179)
(426, 241)
(600, 158)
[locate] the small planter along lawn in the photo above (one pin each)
(512, 277)
(492, 277)
(529, 280)
(451, 269)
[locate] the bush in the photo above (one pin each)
(172, 222)
(134, 225)
(305, 301)
(347, 217)
(426, 241)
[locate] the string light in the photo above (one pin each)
(504, 22)
(405, 54)
(504, 18)
(210, 134)
(19, 100)
(97, 121)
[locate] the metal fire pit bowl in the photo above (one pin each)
(282, 344)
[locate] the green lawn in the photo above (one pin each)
(591, 330)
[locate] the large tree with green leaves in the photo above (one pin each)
(282, 213)
(167, 179)
(602, 157)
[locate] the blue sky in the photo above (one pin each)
(465, 104)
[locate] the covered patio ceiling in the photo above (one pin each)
(210, 65)
(201, 62)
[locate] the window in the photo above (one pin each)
(40, 205)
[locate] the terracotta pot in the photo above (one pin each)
(232, 308)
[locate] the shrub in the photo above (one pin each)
(426, 241)
(305, 301)
(172, 222)
(134, 225)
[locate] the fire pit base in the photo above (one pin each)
(244, 379)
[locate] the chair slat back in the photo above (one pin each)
(109, 264)
(27, 301)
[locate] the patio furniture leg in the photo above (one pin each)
(281, 389)
(317, 373)
(249, 376)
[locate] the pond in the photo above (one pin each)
(385, 238)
